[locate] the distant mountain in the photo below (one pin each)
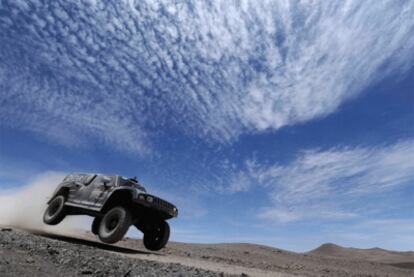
(397, 258)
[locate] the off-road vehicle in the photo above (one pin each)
(116, 203)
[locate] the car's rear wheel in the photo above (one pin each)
(114, 225)
(156, 237)
(95, 225)
(55, 212)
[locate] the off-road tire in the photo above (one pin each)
(157, 237)
(114, 225)
(95, 225)
(56, 211)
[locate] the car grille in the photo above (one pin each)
(163, 204)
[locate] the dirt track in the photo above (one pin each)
(46, 254)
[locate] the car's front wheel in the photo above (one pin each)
(55, 212)
(114, 225)
(157, 236)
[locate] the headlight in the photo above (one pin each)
(150, 199)
(141, 197)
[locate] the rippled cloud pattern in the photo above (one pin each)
(72, 70)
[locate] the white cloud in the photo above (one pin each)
(213, 70)
(322, 183)
(279, 215)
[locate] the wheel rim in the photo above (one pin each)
(112, 223)
(157, 234)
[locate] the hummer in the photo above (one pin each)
(116, 203)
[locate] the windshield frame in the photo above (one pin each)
(123, 181)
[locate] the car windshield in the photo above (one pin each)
(132, 183)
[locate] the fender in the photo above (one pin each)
(62, 189)
(133, 194)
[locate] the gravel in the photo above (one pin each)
(25, 254)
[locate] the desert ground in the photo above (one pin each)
(39, 253)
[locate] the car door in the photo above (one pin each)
(82, 190)
(102, 190)
(79, 188)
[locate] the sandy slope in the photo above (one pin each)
(82, 254)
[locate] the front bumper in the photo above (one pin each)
(154, 202)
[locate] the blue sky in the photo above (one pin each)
(281, 123)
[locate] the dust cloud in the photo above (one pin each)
(23, 206)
